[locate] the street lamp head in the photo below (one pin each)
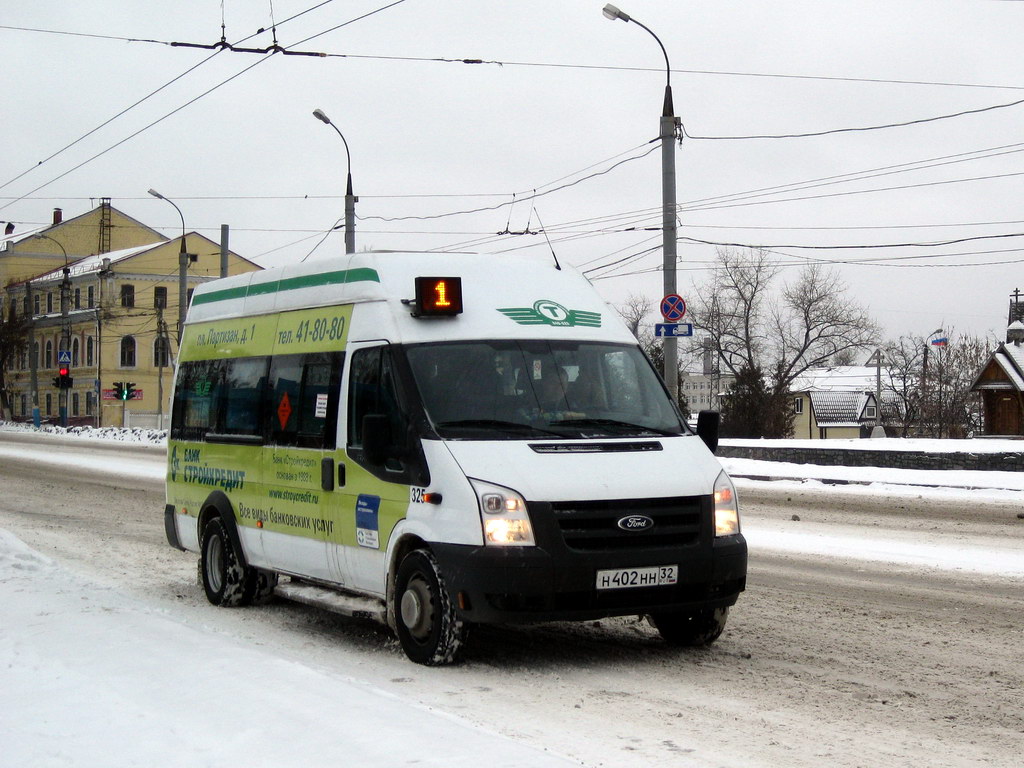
(156, 194)
(613, 13)
(319, 115)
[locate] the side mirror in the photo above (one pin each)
(707, 428)
(377, 439)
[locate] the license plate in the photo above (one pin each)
(626, 578)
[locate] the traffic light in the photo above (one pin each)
(65, 378)
(129, 390)
(118, 390)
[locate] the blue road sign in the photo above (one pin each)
(673, 308)
(673, 329)
(64, 357)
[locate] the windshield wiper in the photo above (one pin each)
(509, 427)
(614, 424)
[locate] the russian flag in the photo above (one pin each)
(940, 342)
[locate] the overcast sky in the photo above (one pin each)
(562, 95)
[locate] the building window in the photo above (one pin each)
(49, 355)
(90, 297)
(869, 412)
(24, 405)
(88, 351)
(798, 405)
(75, 351)
(74, 403)
(49, 303)
(35, 354)
(128, 352)
(188, 297)
(160, 297)
(127, 295)
(89, 403)
(78, 298)
(49, 404)
(161, 352)
(35, 304)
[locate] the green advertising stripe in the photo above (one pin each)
(343, 276)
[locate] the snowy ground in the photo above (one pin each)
(90, 676)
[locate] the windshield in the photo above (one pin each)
(504, 390)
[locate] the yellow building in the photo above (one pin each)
(835, 403)
(120, 320)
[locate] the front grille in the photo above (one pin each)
(592, 526)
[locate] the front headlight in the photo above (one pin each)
(727, 510)
(503, 515)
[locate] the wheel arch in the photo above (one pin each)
(403, 541)
(217, 504)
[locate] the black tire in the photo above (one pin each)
(691, 629)
(262, 584)
(427, 623)
(226, 579)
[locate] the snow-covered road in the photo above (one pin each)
(878, 628)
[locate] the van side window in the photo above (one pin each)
(196, 398)
(303, 405)
(245, 380)
(371, 391)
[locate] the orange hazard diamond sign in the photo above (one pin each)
(284, 410)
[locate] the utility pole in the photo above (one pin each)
(350, 199)
(668, 128)
(33, 354)
(162, 346)
(65, 337)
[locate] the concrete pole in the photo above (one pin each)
(223, 250)
(33, 355)
(65, 337)
(668, 219)
(182, 287)
(350, 214)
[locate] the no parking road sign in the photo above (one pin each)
(673, 308)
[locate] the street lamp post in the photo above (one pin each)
(924, 374)
(65, 333)
(182, 270)
(350, 199)
(668, 126)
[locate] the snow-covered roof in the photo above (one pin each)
(1010, 359)
(92, 264)
(839, 408)
(850, 378)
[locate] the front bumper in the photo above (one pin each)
(556, 580)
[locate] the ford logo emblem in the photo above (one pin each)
(636, 523)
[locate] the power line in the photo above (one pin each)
(562, 65)
(525, 197)
(195, 99)
(904, 124)
(144, 98)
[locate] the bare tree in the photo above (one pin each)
(777, 336)
(901, 379)
(13, 342)
(952, 410)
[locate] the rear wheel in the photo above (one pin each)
(426, 621)
(226, 580)
(691, 629)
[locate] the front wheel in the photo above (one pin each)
(427, 623)
(691, 629)
(226, 580)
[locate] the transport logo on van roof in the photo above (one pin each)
(547, 312)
